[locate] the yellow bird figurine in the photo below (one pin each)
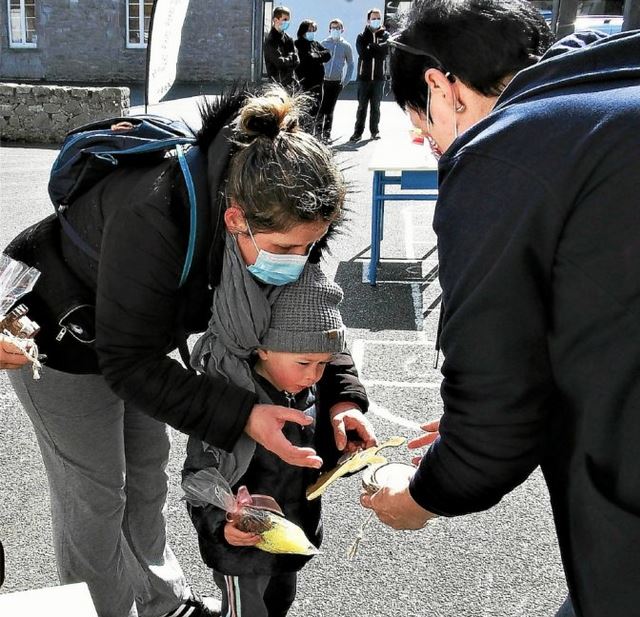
(351, 463)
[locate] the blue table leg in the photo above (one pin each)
(381, 192)
(376, 224)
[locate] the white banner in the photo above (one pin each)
(163, 47)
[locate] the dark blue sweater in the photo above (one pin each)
(538, 224)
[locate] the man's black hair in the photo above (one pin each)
(373, 11)
(480, 42)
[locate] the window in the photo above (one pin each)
(266, 27)
(601, 7)
(138, 18)
(22, 23)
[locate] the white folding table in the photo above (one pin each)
(403, 163)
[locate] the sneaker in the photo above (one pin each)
(196, 606)
(375, 135)
(355, 137)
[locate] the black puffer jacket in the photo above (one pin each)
(268, 475)
(137, 219)
(372, 54)
(280, 57)
(310, 71)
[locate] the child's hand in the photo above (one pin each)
(347, 417)
(235, 537)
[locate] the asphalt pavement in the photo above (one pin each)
(501, 563)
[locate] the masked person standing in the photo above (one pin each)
(335, 76)
(310, 71)
(372, 54)
(280, 55)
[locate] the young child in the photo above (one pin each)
(304, 332)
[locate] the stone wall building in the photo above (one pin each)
(45, 114)
(104, 41)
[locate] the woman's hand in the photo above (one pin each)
(431, 434)
(235, 537)
(265, 427)
(347, 417)
(395, 507)
(11, 356)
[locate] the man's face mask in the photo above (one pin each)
(275, 269)
(310, 36)
(284, 26)
(375, 23)
(334, 33)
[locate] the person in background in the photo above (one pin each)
(283, 357)
(537, 224)
(372, 54)
(335, 77)
(280, 55)
(310, 71)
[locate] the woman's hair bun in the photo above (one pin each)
(269, 114)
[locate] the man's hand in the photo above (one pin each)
(431, 434)
(395, 507)
(265, 427)
(235, 537)
(11, 356)
(347, 417)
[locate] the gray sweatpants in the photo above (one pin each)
(106, 465)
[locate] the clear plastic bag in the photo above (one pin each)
(16, 280)
(258, 514)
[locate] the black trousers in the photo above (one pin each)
(330, 92)
(310, 120)
(256, 596)
(369, 93)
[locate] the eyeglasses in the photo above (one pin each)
(394, 43)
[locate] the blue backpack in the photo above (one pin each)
(92, 151)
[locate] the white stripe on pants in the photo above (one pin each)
(106, 465)
(256, 596)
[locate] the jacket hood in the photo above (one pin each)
(581, 58)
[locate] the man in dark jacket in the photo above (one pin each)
(279, 51)
(372, 52)
(537, 223)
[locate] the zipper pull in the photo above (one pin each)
(60, 334)
(291, 399)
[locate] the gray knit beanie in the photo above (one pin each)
(305, 316)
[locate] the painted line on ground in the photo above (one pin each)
(385, 414)
(416, 295)
(401, 384)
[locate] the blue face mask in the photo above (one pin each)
(284, 26)
(310, 36)
(275, 269)
(375, 24)
(335, 33)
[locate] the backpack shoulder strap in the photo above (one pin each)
(194, 171)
